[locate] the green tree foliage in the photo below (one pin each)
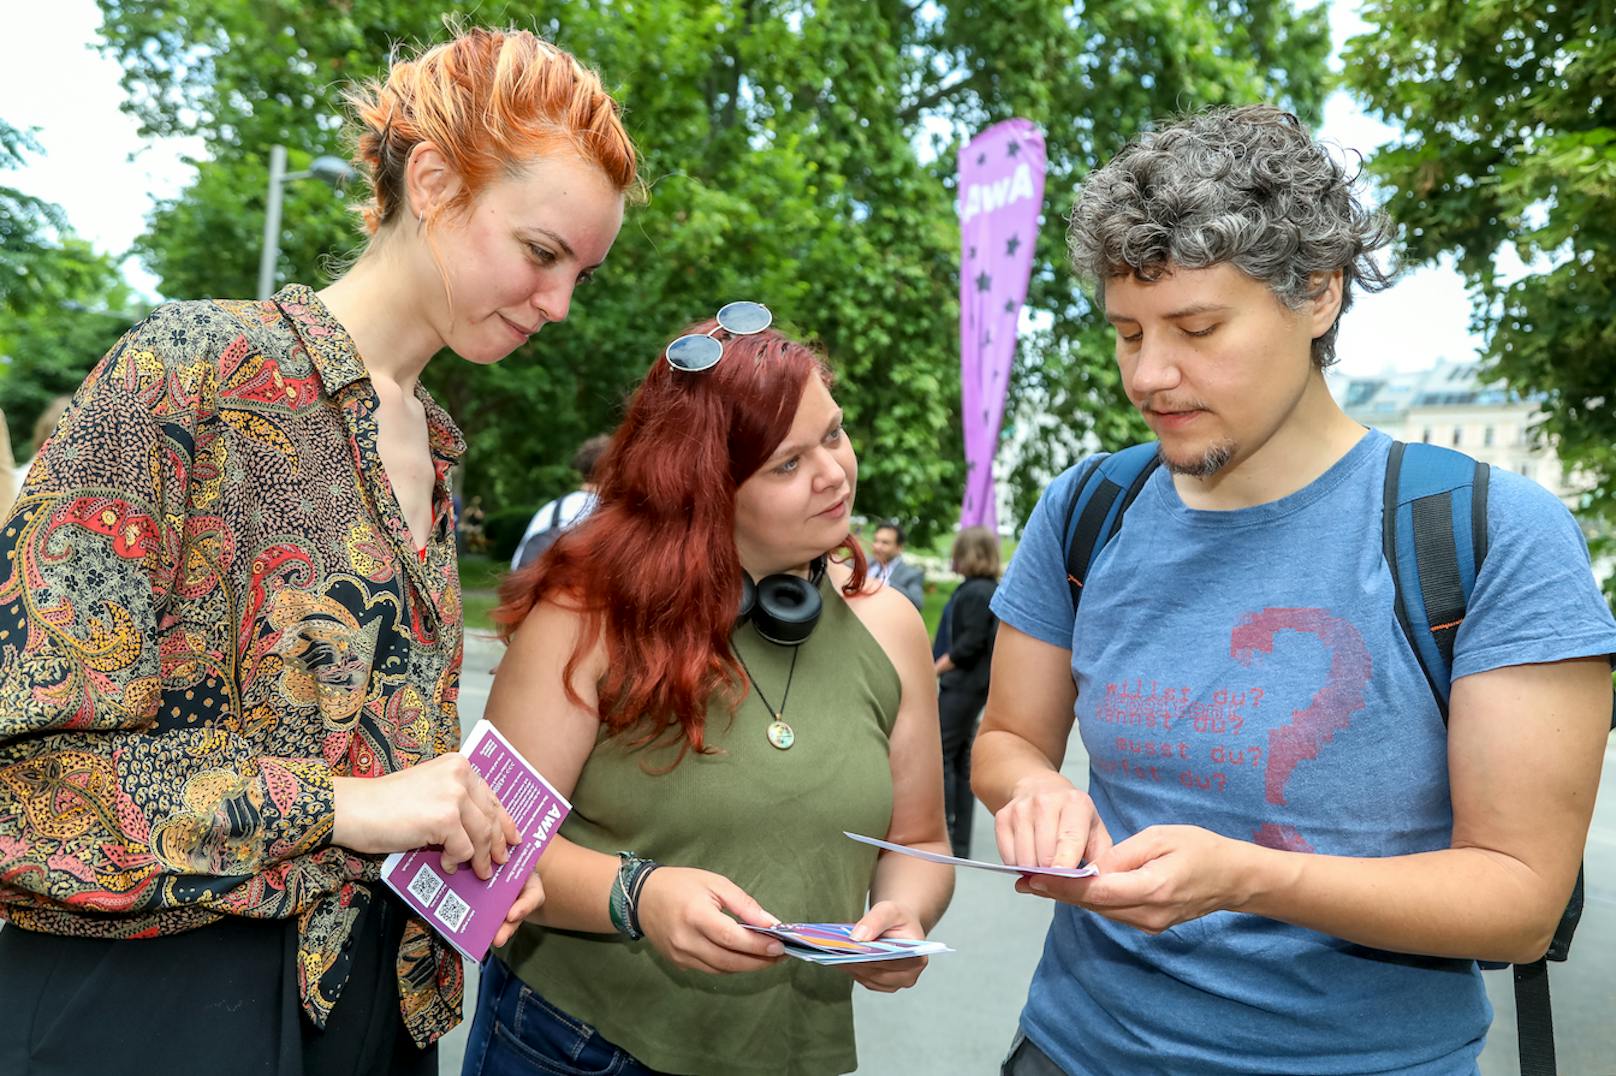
(800, 153)
(61, 303)
(1509, 140)
(25, 225)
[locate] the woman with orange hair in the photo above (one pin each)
(230, 632)
(702, 668)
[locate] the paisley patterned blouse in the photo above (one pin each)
(210, 606)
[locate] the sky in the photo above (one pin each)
(106, 178)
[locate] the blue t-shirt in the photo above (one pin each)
(1244, 671)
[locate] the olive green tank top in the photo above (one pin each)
(767, 819)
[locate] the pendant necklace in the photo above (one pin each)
(780, 734)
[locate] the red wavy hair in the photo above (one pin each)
(654, 569)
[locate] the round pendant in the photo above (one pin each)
(781, 736)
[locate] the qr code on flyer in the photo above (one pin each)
(453, 911)
(426, 885)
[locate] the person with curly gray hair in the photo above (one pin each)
(1298, 865)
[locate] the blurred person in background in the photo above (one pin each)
(555, 516)
(44, 426)
(962, 672)
(888, 566)
(10, 479)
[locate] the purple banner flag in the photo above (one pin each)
(1001, 192)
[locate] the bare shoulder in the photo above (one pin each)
(552, 631)
(889, 616)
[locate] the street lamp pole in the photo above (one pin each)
(331, 170)
(272, 223)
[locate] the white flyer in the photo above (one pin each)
(955, 861)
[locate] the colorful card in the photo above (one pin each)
(955, 861)
(832, 943)
(462, 907)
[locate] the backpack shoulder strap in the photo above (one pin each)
(1434, 536)
(555, 513)
(1435, 539)
(1102, 495)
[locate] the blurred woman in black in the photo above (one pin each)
(962, 671)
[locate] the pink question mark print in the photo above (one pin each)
(1330, 710)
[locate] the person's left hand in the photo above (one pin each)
(887, 919)
(528, 901)
(1158, 878)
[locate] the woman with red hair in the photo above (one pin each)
(230, 615)
(701, 667)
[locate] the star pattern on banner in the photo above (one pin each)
(987, 341)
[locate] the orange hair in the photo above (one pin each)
(490, 101)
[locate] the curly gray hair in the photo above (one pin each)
(1248, 186)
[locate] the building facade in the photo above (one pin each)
(1448, 405)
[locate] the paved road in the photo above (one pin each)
(959, 1018)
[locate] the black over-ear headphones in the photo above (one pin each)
(782, 607)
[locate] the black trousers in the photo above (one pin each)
(1026, 1059)
(218, 999)
(958, 713)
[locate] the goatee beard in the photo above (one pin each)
(1214, 459)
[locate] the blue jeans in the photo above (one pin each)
(515, 1032)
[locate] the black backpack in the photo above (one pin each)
(1434, 538)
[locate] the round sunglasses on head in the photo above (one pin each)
(695, 352)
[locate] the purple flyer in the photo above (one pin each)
(463, 908)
